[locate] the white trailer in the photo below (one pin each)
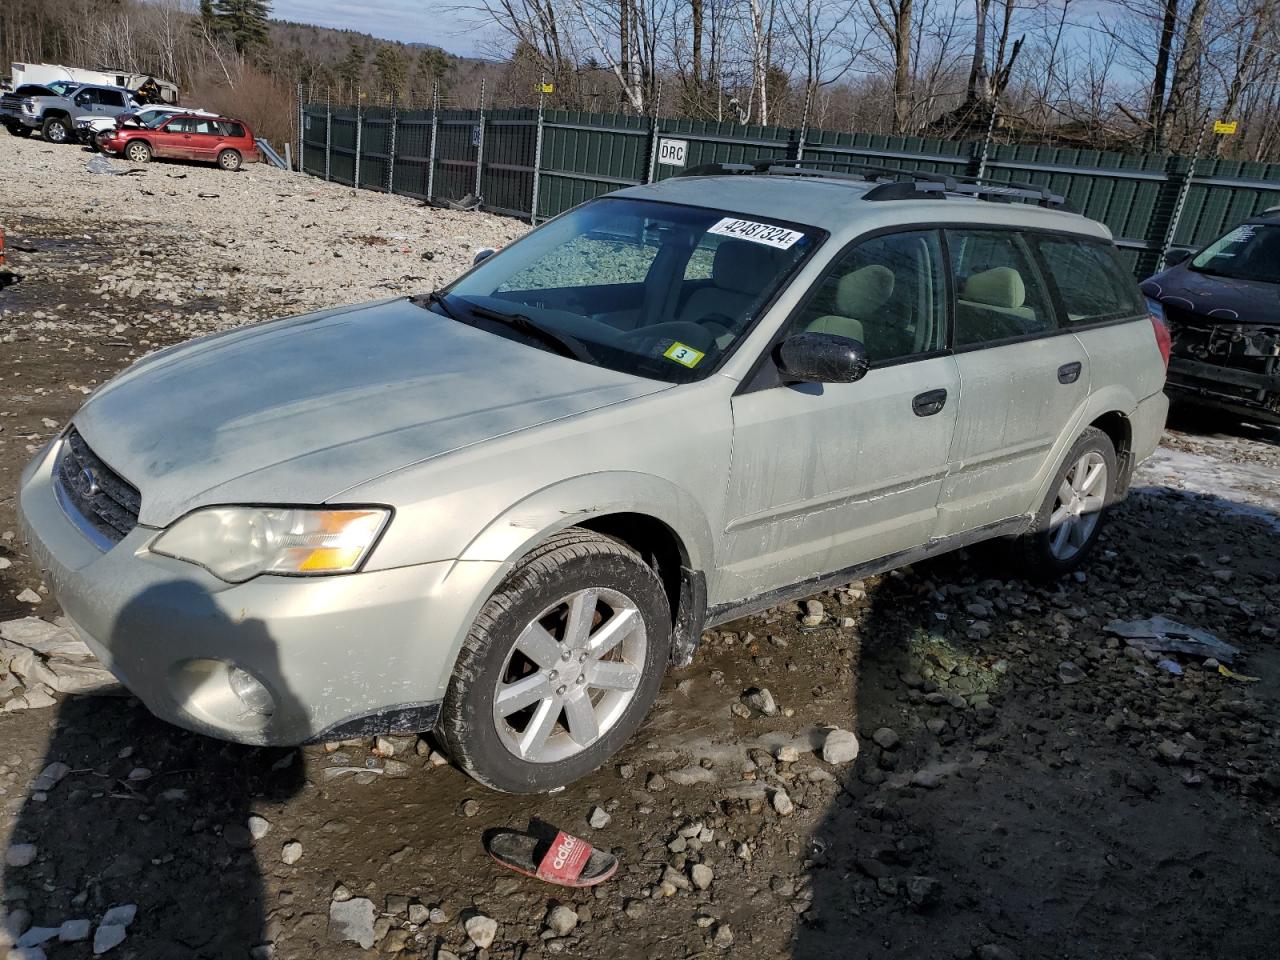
(45, 73)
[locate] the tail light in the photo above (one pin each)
(1163, 340)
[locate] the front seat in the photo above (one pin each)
(740, 271)
(859, 295)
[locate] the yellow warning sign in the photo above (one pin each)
(1225, 127)
(546, 88)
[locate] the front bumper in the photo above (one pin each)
(10, 117)
(340, 656)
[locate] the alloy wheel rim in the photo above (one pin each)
(570, 676)
(57, 132)
(1078, 506)
(136, 154)
(228, 161)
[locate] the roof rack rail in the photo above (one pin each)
(899, 184)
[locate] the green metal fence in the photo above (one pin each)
(536, 163)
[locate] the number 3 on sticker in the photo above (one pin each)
(683, 354)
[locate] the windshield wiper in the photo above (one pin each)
(441, 301)
(562, 343)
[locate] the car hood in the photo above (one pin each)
(299, 410)
(1216, 299)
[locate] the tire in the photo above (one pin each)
(528, 614)
(229, 160)
(56, 130)
(18, 130)
(138, 151)
(1065, 532)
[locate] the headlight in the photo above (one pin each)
(239, 543)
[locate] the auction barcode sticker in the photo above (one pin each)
(765, 233)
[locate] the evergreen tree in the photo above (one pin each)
(432, 67)
(244, 21)
(351, 69)
(391, 69)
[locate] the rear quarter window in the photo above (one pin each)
(227, 129)
(1090, 280)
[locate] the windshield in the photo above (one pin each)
(63, 87)
(1249, 252)
(654, 289)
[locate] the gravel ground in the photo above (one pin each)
(1027, 786)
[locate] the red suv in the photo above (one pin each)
(220, 140)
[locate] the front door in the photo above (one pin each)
(1024, 379)
(172, 139)
(828, 476)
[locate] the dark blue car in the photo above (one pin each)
(1222, 308)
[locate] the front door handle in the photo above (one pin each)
(1070, 372)
(928, 403)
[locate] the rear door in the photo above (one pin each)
(827, 476)
(110, 103)
(1024, 379)
(206, 138)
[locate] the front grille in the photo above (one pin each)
(104, 500)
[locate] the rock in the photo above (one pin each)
(73, 931)
(723, 938)
(840, 747)
(782, 804)
(418, 912)
(397, 941)
(1170, 752)
(20, 854)
(120, 916)
(598, 818)
(36, 936)
(561, 920)
(397, 905)
(108, 937)
(29, 596)
(1069, 673)
(469, 808)
(787, 754)
(923, 891)
(352, 920)
(50, 776)
(291, 852)
(438, 915)
(761, 701)
(237, 837)
(655, 783)
(259, 827)
(886, 738)
(340, 893)
(702, 875)
(481, 930)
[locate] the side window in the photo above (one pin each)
(202, 126)
(111, 98)
(178, 125)
(86, 98)
(1090, 281)
(999, 293)
(886, 292)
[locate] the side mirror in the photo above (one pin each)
(822, 358)
(484, 253)
(1175, 257)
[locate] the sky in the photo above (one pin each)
(410, 21)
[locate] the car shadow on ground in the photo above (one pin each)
(1048, 825)
(103, 833)
(1208, 421)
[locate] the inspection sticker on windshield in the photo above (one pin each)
(765, 233)
(683, 354)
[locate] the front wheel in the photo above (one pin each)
(229, 160)
(137, 152)
(560, 667)
(18, 130)
(56, 130)
(1067, 526)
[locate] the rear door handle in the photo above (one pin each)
(1070, 372)
(928, 403)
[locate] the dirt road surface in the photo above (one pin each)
(1027, 786)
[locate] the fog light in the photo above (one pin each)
(255, 697)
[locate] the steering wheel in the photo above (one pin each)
(686, 331)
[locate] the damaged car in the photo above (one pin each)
(1222, 308)
(501, 510)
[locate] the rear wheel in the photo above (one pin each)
(56, 130)
(560, 667)
(1066, 528)
(137, 151)
(229, 160)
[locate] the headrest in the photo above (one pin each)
(743, 266)
(864, 291)
(997, 287)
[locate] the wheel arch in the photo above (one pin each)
(657, 519)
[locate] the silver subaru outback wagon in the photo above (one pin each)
(499, 511)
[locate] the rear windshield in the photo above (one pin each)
(655, 289)
(1249, 252)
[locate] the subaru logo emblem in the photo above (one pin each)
(91, 488)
